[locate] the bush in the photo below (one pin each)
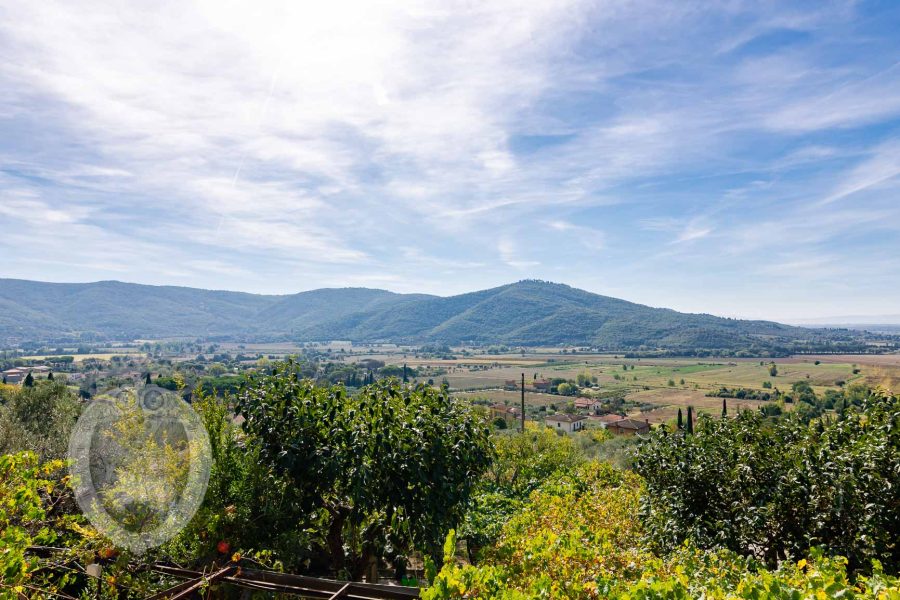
(39, 419)
(580, 538)
(522, 464)
(774, 490)
(35, 510)
(381, 473)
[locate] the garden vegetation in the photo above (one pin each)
(311, 479)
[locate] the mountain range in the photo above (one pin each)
(526, 313)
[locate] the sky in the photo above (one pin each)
(736, 158)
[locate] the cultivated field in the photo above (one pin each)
(654, 389)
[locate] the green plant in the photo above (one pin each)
(380, 473)
(774, 489)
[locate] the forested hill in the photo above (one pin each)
(529, 313)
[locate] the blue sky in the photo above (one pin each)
(738, 158)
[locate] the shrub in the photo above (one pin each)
(39, 419)
(773, 490)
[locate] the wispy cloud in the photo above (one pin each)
(289, 145)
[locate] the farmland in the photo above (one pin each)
(651, 389)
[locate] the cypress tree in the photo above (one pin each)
(29, 380)
(50, 376)
(405, 376)
(690, 420)
(4, 380)
(680, 420)
(724, 409)
(147, 378)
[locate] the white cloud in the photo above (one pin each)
(512, 254)
(303, 144)
(882, 166)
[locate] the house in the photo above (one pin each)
(511, 384)
(542, 385)
(590, 405)
(629, 427)
(502, 411)
(18, 374)
(567, 423)
(14, 375)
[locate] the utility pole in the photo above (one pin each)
(523, 402)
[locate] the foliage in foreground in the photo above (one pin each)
(38, 418)
(773, 489)
(382, 473)
(582, 538)
(521, 465)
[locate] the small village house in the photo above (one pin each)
(567, 423)
(542, 385)
(507, 413)
(629, 427)
(18, 374)
(589, 405)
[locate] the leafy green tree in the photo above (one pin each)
(583, 378)
(246, 503)
(29, 380)
(384, 472)
(774, 489)
(773, 370)
(39, 419)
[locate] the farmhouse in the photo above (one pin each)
(629, 427)
(18, 374)
(541, 384)
(502, 411)
(567, 423)
(590, 405)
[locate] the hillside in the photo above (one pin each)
(524, 313)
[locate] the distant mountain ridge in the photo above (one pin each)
(526, 313)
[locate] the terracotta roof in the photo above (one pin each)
(611, 418)
(632, 424)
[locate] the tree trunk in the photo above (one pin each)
(335, 539)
